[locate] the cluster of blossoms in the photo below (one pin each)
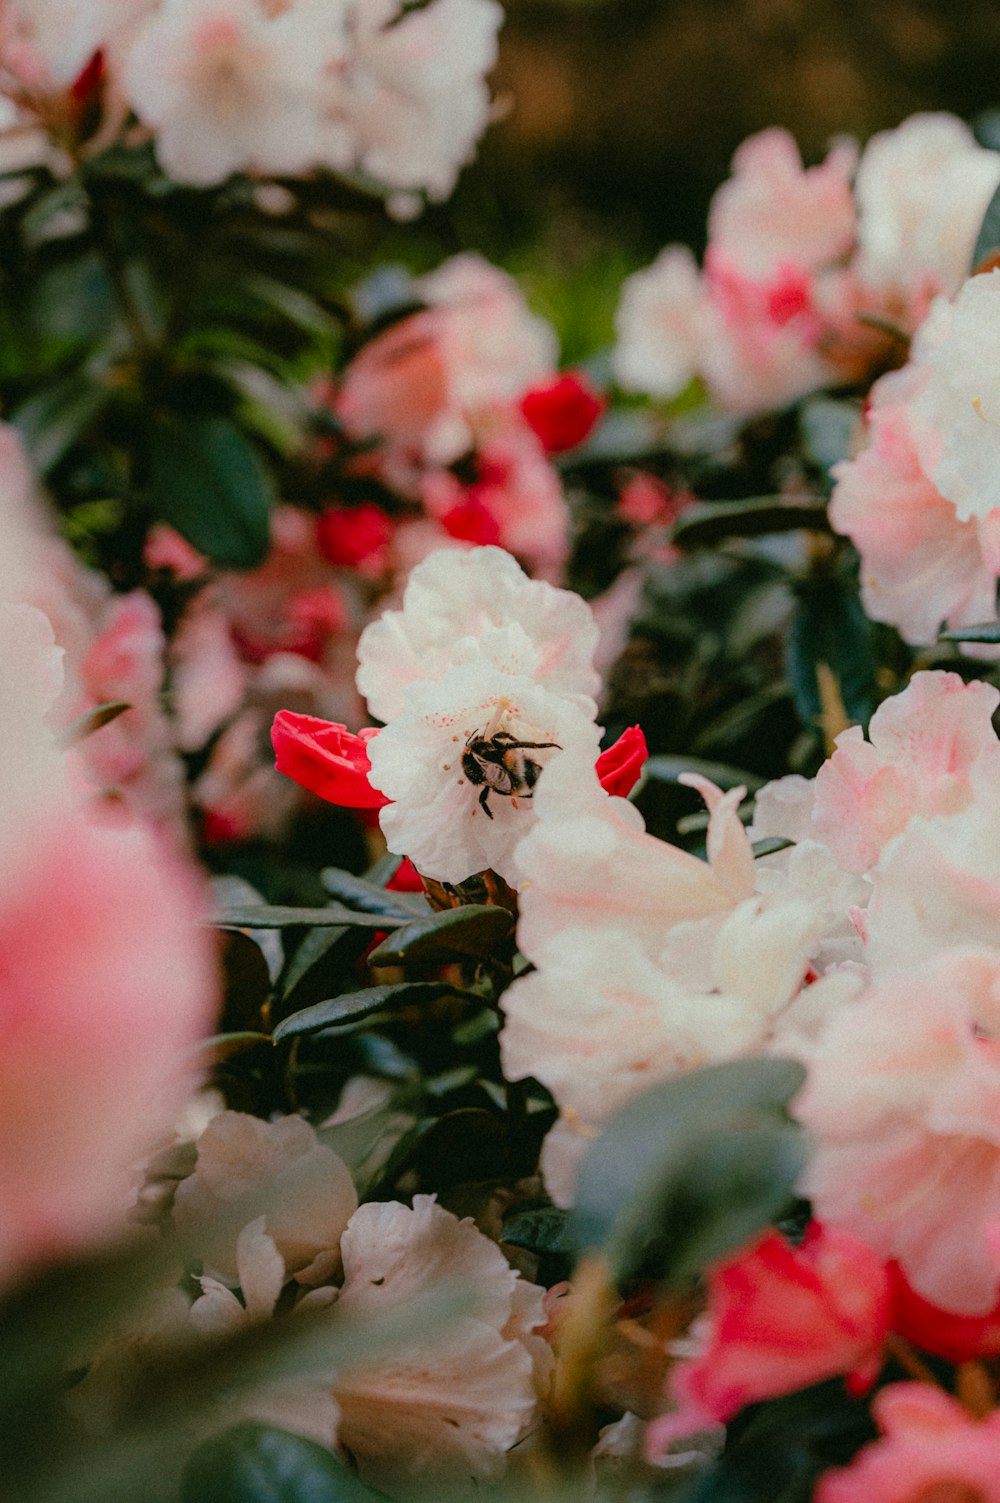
(866, 949)
(806, 267)
(372, 87)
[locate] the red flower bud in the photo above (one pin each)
(355, 537)
(619, 767)
(562, 412)
(327, 759)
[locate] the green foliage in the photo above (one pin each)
(353, 1006)
(690, 1171)
(254, 1464)
(206, 480)
(472, 930)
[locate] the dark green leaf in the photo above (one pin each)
(691, 1170)
(254, 1464)
(669, 769)
(475, 929)
(208, 482)
(314, 949)
(542, 1230)
(714, 521)
(367, 897)
(988, 238)
(354, 1005)
(771, 846)
(829, 427)
(830, 626)
(276, 916)
(94, 720)
(51, 421)
(989, 632)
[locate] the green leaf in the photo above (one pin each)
(770, 846)
(291, 302)
(51, 421)
(276, 916)
(988, 238)
(828, 428)
(668, 769)
(544, 1229)
(354, 1005)
(475, 929)
(93, 720)
(254, 1464)
(989, 631)
(713, 521)
(208, 482)
(830, 626)
(691, 1170)
(368, 897)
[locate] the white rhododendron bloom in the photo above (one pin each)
(453, 1407)
(648, 961)
(307, 1191)
(662, 325)
(922, 191)
(958, 411)
(229, 87)
(903, 1106)
(411, 98)
(484, 677)
(49, 42)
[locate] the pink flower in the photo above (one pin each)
(355, 537)
(957, 1338)
(618, 769)
(326, 758)
(562, 412)
(782, 1317)
(931, 1451)
(95, 1032)
(925, 743)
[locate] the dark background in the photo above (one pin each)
(624, 114)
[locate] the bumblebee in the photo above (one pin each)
(498, 764)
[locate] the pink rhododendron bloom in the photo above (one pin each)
(327, 759)
(773, 214)
(922, 747)
(920, 565)
(116, 923)
(454, 1406)
(903, 1106)
(562, 412)
(781, 1318)
(956, 1338)
(922, 190)
(930, 1450)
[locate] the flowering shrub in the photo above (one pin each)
(499, 912)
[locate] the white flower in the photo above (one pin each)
(306, 1188)
(476, 605)
(662, 325)
(447, 1409)
(957, 414)
(460, 764)
(922, 191)
(412, 101)
(62, 35)
(228, 87)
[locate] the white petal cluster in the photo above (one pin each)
(446, 1409)
(374, 87)
(648, 961)
(478, 652)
